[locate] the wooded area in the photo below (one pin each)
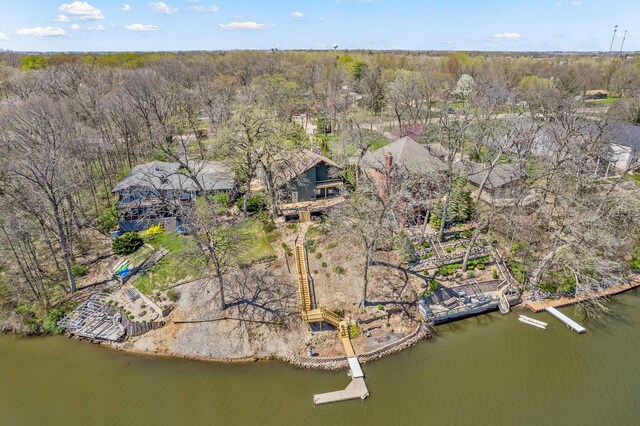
(72, 126)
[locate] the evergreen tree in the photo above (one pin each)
(405, 248)
(460, 207)
(435, 219)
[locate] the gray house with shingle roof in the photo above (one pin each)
(160, 192)
(407, 154)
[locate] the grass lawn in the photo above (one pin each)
(184, 261)
(135, 259)
(257, 246)
(606, 101)
(635, 178)
(334, 145)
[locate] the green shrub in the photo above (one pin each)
(108, 220)
(256, 203)
(338, 270)
(635, 260)
(424, 245)
(466, 233)
(222, 201)
(50, 323)
(292, 226)
(127, 244)
(448, 269)
(354, 331)
(516, 247)
(427, 255)
(318, 255)
(323, 264)
(286, 248)
(433, 285)
(470, 274)
(331, 246)
(517, 269)
(481, 266)
(494, 274)
(310, 245)
(173, 295)
(380, 307)
(78, 269)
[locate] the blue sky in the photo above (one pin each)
(107, 25)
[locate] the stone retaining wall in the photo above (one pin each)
(339, 363)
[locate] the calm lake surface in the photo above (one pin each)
(484, 370)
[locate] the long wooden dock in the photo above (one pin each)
(565, 319)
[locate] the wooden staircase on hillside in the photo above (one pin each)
(304, 215)
(303, 280)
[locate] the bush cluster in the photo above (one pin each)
(128, 243)
(155, 229)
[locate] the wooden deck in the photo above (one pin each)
(540, 306)
(292, 209)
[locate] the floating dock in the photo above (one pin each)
(533, 322)
(568, 321)
(356, 389)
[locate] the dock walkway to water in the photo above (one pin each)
(356, 389)
(565, 319)
(311, 313)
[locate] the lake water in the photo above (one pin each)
(490, 369)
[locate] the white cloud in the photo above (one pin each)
(297, 15)
(142, 27)
(162, 7)
(508, 36)
(76, 27)
(61, 18)
(126, 7)
(576, 3)
(3, 37)
(42, 32)
(322, 19)
(248, 25)
(212, 9)
(81, 10)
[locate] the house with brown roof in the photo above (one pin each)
(407, 154)
(595, 94)
(309, 182)
(503, 181)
